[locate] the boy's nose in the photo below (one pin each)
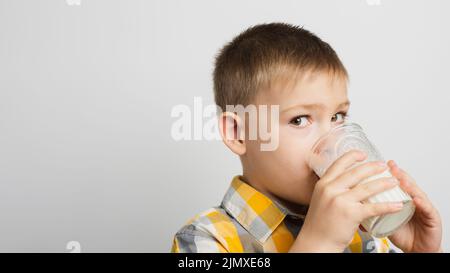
(325, 128)
(322, 130)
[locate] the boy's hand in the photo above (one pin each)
(424, 232)
(336, 209)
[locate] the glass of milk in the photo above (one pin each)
(350, 136)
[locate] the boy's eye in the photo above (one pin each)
(299, 121)
(339, 117)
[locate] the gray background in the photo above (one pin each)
(86, 93)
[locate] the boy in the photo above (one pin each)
(279, 204)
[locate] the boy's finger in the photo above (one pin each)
(343, 163)
(412, 189)
(407, 183)
(363, 191)
(360, 173)
(426, 210)
(400, 173)
(423, 204)
(376, 209)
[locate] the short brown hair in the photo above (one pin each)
(251, 60)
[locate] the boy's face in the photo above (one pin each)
(309, 107)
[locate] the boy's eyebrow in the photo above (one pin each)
(315, 106)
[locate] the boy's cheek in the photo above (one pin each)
(300, 141)
(296, 151)
(296, 166)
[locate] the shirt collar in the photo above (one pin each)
(257, 213)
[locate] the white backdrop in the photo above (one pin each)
(86, 93)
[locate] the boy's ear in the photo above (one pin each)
(232, 131)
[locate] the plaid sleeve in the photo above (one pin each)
(195, 241)
(391, 248)
(363, 242)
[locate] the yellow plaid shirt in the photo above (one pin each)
(249, 221)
